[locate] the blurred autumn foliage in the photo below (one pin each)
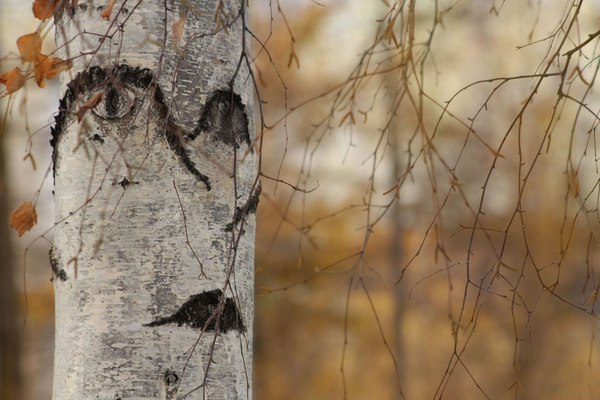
(443, 145)
(429, 220)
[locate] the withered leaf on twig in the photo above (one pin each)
(23, 218)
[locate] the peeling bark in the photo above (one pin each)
(154, 299)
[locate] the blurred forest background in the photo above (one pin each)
(429, 220)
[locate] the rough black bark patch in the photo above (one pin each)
(124, 183)
(97, 138)
(56, 270)
(116, 102)
(170, 377)
(249, 208)
(111, 80)
(203, 311)
(224, 116)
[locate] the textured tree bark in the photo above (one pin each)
(155, 190)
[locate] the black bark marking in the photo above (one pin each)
(224, 116)
(202, 311)
(170, 377)
(124, 183)
(250, 207)
(174, 135)
(117, 101)
(56, 270)
(112, 100)
(97, 138)
(115, 81)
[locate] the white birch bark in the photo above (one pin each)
(139, 235)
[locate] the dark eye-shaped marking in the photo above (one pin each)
(115, 102)
(118, 86)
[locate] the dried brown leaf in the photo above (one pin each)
(30, 46)
(13, 80)
(44, 9)
(49, 68)
(23, 218)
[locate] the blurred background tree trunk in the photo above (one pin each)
(396, 242)
(10, 343)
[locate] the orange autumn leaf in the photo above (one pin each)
(30, 46)
(49, 68)
(23, 218)
(13, 80)
(44, 9)
(108, 10)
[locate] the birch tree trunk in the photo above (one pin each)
(155, 189)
